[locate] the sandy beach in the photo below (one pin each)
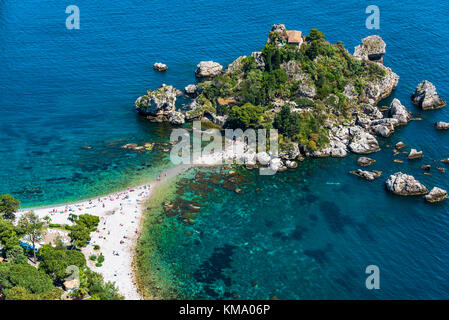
(120, 216)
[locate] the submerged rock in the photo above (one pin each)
(372, 48)
(442, 125)
(436, 195)
(365, 161)
(208, 69)
(367, 175)
(399, 112)
(405, 185)
(426, 96)
(414, 154)
(445, 161)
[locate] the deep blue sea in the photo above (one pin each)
(304, 234)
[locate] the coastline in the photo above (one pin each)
(114, 235)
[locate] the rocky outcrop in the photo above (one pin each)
(277, 34)
(289, 151)
(208, 69)
(414, 154)
(436, 195)
(190, 89)
(260, 61)
(399, 112)
(405, 185)
(445, 161)
(177, 117)
(159, 105)
(426, 96)
(365, 161)
(306, 86)
(363, 143)
(372, 48)
(400, 145)
(160, 66)
(442, 125)
(384, 127)
(381, 88)
(367, 175)
(199, 107)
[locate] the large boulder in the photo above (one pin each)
(381, 87)
(426, 96)
(384, 127)
(208, 69)
(442, 125)
(399, 112)
(260, 61)
(363, 143)
(159, 105)
(414, 154)
(367, 175)
(372, 48)
(405, 185)
(177, 117)
(277, 34)
(365, 161)
(436, 195)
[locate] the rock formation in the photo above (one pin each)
(372, 48)
(436, 195)
(365, 161)
(426, 96)
(442, 125)
(414, 154)
(159, 105)
(405, 185)
(399, 112)
(160, 66)
(367, 175)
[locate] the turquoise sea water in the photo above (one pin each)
(305, 234)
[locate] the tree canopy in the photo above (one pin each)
(8, 206)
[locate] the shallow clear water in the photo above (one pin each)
(61, 90)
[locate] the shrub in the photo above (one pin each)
(93, 257)
(245, 116)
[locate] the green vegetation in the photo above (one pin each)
(325, 70)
